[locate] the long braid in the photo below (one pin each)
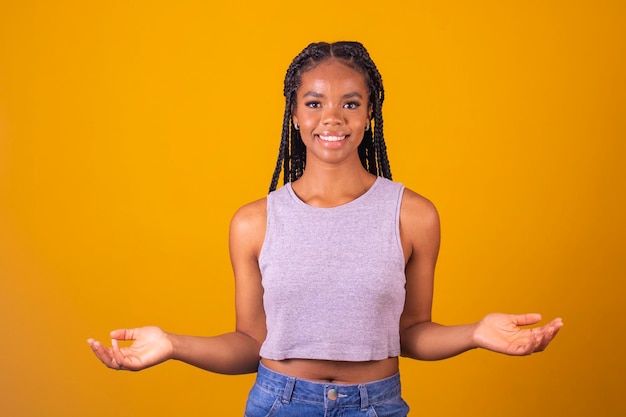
(384, 169)
(372, 150)
(379, 162)
(282, 149)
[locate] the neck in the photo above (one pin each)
(330, 186)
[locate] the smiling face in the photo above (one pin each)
(332, 112)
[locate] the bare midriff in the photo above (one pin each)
(334, 371)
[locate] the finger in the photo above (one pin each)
(118, 358)
(549, 333)
(101, 353)
(553, 326)
(557, 323)
(537, 338)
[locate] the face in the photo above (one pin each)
(332, 112)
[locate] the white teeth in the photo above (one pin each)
(332, 138)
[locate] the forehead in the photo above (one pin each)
(332, 74)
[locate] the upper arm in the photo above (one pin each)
(420, 235)
(247, 232)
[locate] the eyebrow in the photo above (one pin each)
(320, 95)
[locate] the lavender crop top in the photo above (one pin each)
(333, 278)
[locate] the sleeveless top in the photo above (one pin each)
(333, 278)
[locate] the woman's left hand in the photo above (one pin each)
(502, 333)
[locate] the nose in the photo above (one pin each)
(332, 116)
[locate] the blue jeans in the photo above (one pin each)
(279, 395)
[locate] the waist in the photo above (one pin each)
(330, 394)
(337, 372)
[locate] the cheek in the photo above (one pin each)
(308, 122)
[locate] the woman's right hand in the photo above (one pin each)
(150, 346)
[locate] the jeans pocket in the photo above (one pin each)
(261, 403)
(392, 408)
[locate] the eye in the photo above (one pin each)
(313, 104)
(352, 105)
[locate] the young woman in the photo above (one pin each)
(334, 271)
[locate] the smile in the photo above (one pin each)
(331, 138)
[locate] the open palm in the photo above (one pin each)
(150, 346)
(502, 333)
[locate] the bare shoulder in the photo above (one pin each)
(418, 210)
(251, 215)
(250, 219)
(247, 227)
(419, 224)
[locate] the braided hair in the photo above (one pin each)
(372, 150)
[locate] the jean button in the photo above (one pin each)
(332, 394)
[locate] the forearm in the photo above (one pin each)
(230, 353)
(431, 341)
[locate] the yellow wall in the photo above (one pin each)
(131, 131)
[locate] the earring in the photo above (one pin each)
(296, 126)
(367, 127)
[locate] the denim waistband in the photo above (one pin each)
(326, 393)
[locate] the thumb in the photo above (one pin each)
(526, 319)
(123, 334)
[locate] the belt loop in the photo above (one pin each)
(365, 402)
(288, 392)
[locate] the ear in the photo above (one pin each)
(294, 111)
(294, 115)
(370, 109)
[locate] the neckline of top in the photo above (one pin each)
(299, 201)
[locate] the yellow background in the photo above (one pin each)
(131, 131)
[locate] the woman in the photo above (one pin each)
(334, 271)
